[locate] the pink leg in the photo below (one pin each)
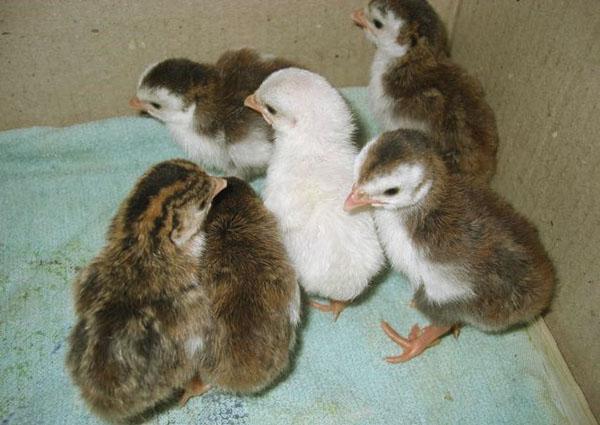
(418, 340)
(334, 306)
(193, 388)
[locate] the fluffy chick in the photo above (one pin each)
(335, 254)
(141, 310)
(471, 258)
(202, 106)
(415, 85)
(253, 293)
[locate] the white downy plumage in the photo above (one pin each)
(385, 38)
(335, 253)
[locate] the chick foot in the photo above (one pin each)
(418, 340)
(193, 388)
(334, 306)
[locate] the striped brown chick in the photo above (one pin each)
(141, 310)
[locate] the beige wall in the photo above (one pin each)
(73, 61)
(539, 61)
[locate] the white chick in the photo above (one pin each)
(335, 253)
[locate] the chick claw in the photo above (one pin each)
(193, 388)
(334, 306)
(456, 331)
(418, 340)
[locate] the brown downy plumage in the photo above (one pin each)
(141, 310)
(203, 107)
(191, 291)
(253, 293)
(470, 256)
(415, 85)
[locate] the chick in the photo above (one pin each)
(253, 293)
(415, 85)
(335, 254)
(142, 311)
(202, 106)
(471, 258)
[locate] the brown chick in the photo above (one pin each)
(471, 258)
(253, 293)
(415, 85)
(203, 107)
(141, 309)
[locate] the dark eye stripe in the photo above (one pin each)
(173, 203)
(161, 176)
(175, 224)
(168, 205)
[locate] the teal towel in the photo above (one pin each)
(59, 189)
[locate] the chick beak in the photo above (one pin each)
(359, 18)
(357, 198)
(136, 104)
(252, 103)
(220, 184)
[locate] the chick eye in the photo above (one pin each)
(155, 105)
(391, 192)
(377, 23)
(271, 110)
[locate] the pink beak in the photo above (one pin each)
(359, 18)
(136, 104)
(357, 198)
(252, 103)
(220, 184)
